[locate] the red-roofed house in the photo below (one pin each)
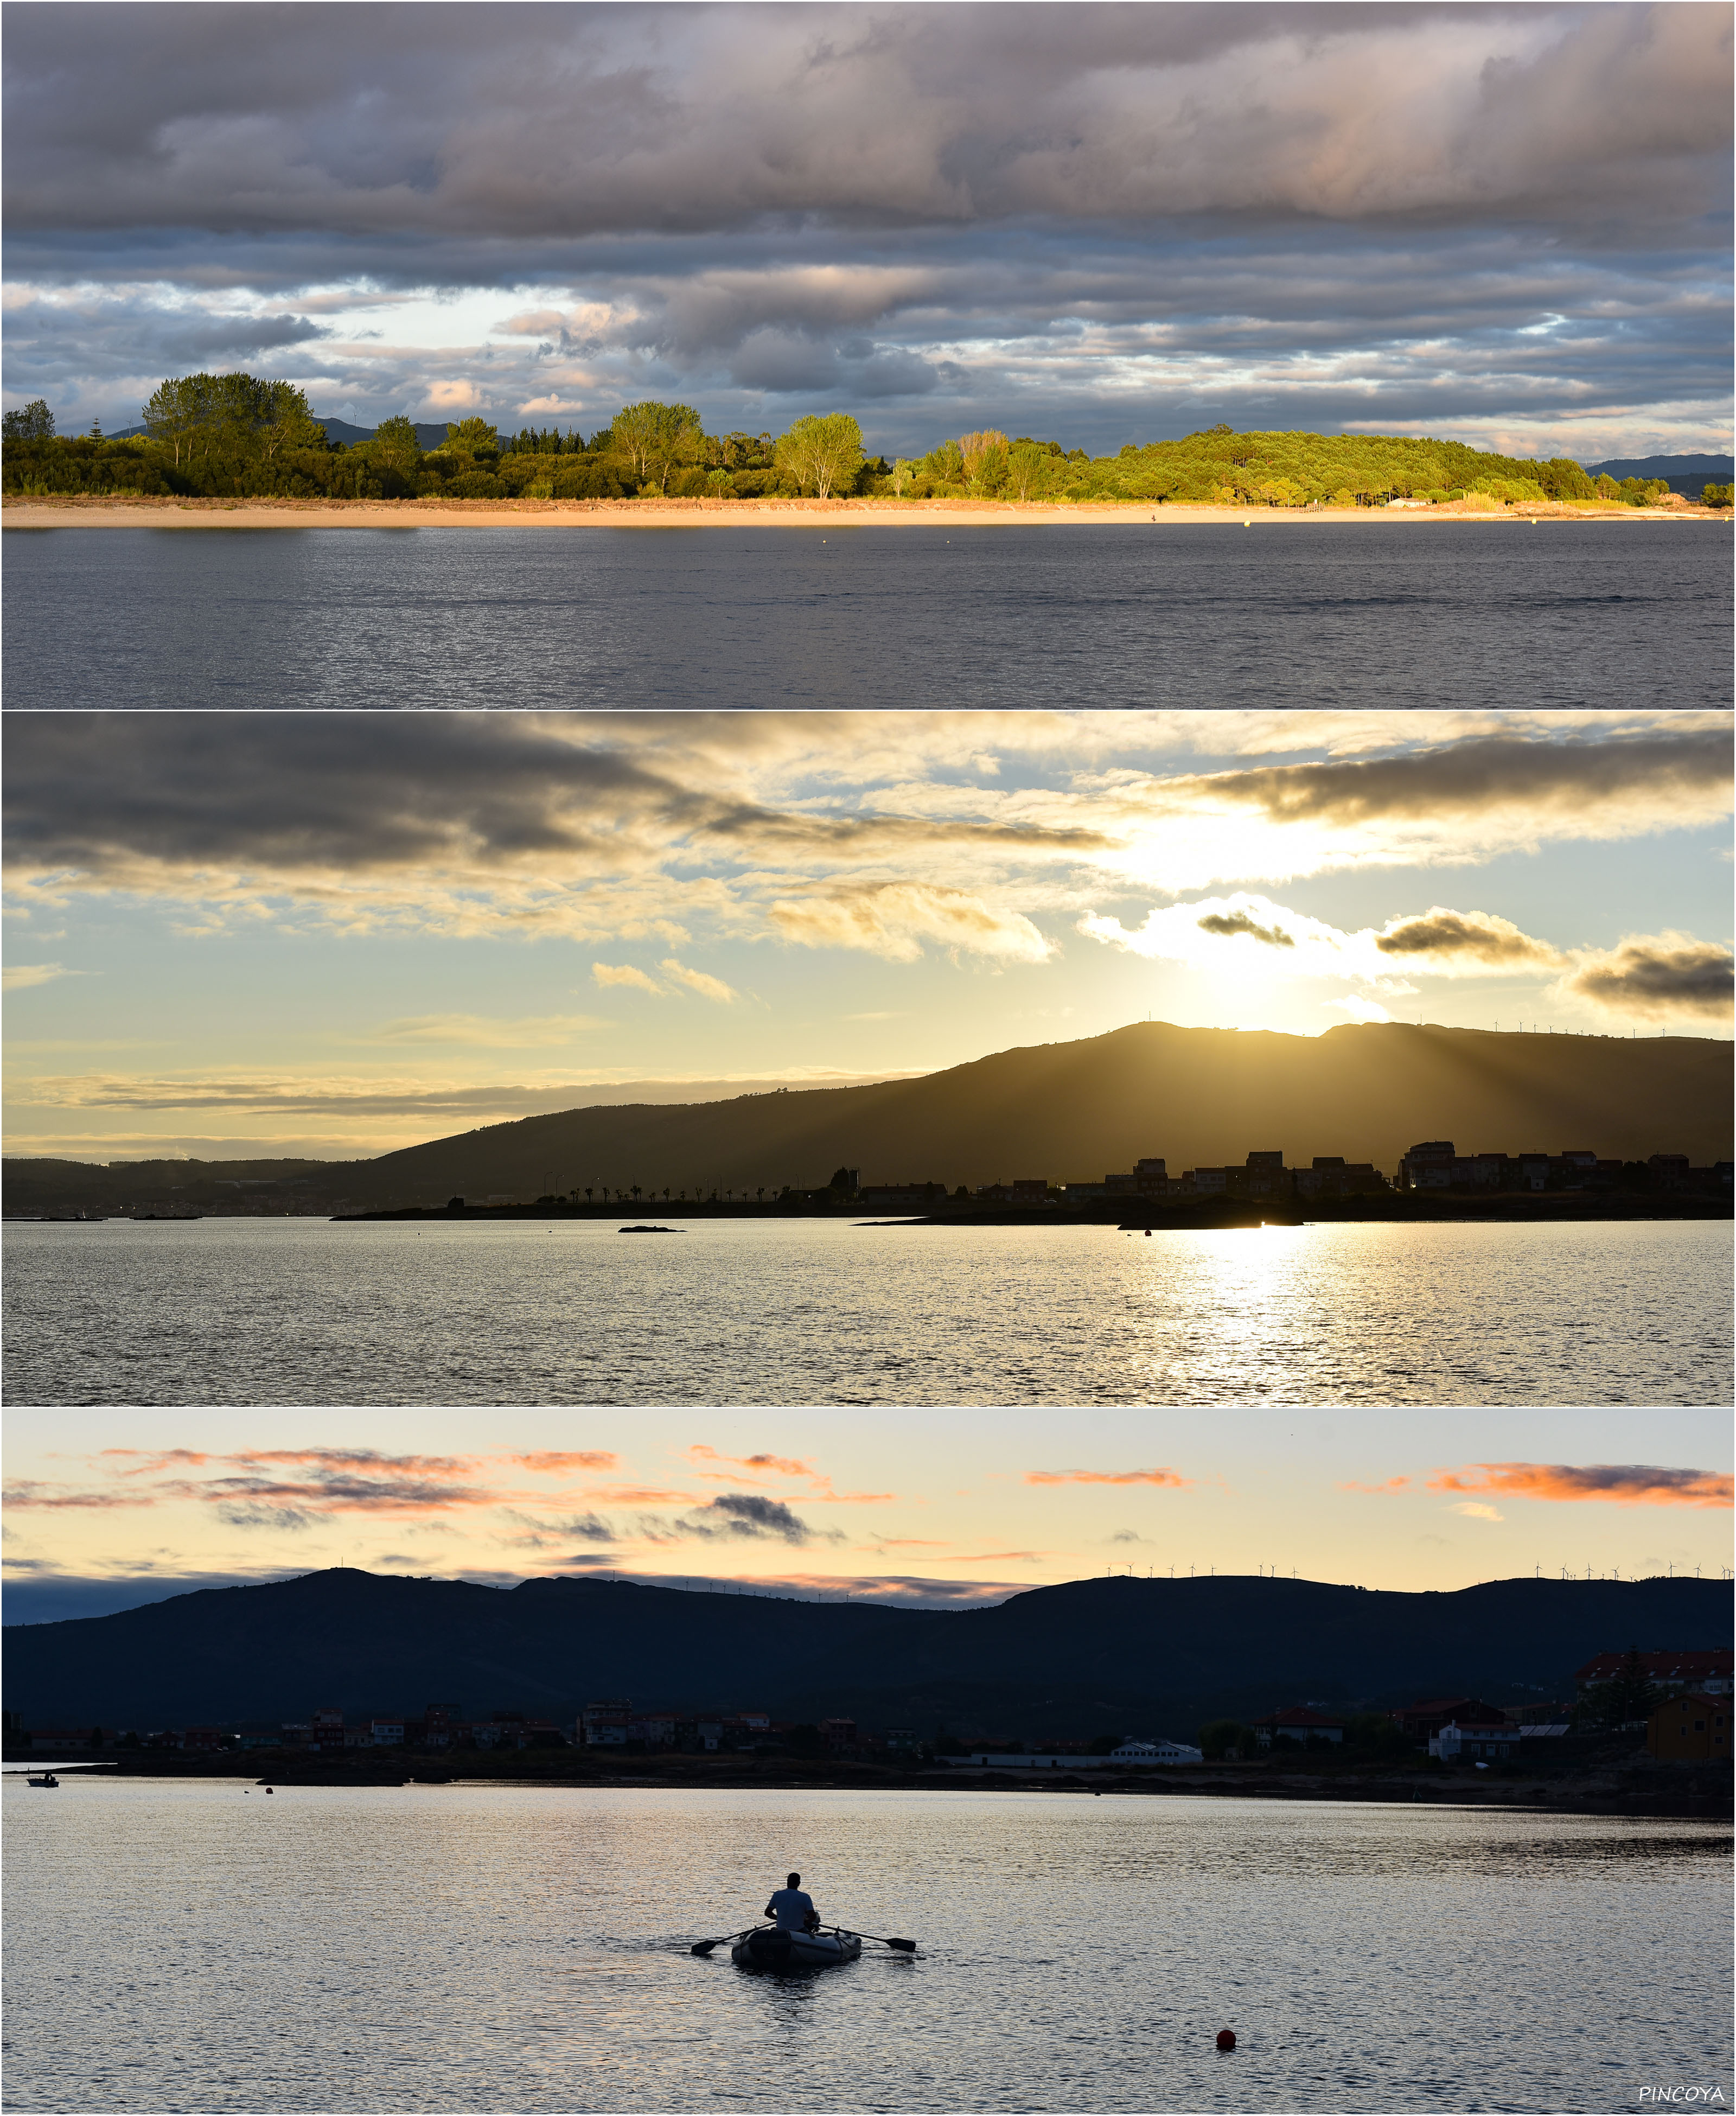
(1423, 1721)
(1708, 1672)
(1296, 1723)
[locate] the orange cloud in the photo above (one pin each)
(987, 1557)
(1166, 1477)
(1392, 1484)
(549, 1463)
(141, 1462)
(781, 1466)
(1627, 1484)
(637, 1495)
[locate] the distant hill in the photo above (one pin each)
(430, 433)
(1685, 473)
(1083, 1658)
(1070, 1112)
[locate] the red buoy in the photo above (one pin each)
(1226, 2039)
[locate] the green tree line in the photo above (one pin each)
(236, 435)
(239, 435)
(1220, 466)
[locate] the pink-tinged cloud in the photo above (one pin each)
(1392, 1484)
(995, 1558)
(364, 1459)
(341, 1494)
(1168, 1477)
(637, 1495)
(24, 1493)
(550, 1463)
(1625, 1483)
(780, 1465)
(139, 1461)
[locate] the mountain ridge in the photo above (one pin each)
(1165, 1648)
(1072, 1112)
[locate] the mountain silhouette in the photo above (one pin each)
(1074, 1112)
(1070, 1112)
(1157, 1651)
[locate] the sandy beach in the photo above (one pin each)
(82, 511)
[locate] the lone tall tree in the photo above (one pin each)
(822, 452)
(655, 437)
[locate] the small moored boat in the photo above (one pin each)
(47, 1778)
(766, 1947)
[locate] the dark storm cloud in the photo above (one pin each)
(294, 793)
(1231, 923)
(271, 1517)
(734, 1516)
(1284, 215)
(1670, 974)
(1499, 771)
(560, 120)
(1469, 934)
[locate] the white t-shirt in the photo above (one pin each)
(792, 1908)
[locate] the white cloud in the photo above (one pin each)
(699, 981)
(482, 1033)
(20, 976)
(1358, 1008)
(892, 919)
(624, 973)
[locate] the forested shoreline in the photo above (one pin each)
(229, 436)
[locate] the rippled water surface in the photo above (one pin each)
(196, 1947)
(737, 1311)
(1140, 614)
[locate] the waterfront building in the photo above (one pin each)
(1299, 1723)
(1487, 1741)
(1423, 1721)
(1693, 1727)
(1709, 1672)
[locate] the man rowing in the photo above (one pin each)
(792, 1907)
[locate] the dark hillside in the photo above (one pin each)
(1068, 1111)
(1072, 1112)
(1155, 1648)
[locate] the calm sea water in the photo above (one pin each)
(199, 1948)
(754, 1312)
(1142, 613)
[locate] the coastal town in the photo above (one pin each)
(1435, 1170)
(1679, 1698)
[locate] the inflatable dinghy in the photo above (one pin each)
(766, 1947)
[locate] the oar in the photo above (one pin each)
(706, 1946)
(903, 1946)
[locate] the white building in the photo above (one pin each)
(1129, 1752)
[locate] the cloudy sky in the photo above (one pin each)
(105, 1508)
(335, 933)
(1507, 224)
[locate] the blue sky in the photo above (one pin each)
(332, 934)
(1505, 224)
